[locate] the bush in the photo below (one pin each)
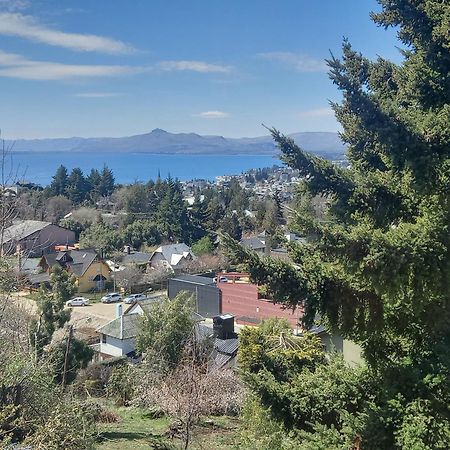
(108, 416)
(120, 385)
(69, 427)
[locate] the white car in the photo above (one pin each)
(134, 298)
(111, 298)
(78, 301)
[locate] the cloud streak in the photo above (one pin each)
(19, 25)
(14, 5)
(16, 66)
(299, 62)
(193, 66)
(213, 115)
(13, 65)
(98, 94)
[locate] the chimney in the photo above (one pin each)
(118, 310)
(223, 326)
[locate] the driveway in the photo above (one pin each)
(94, 315)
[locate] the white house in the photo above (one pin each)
(172, 257)
(118, 337)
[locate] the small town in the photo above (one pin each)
(225, 225)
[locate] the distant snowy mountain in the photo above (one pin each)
(159, 141)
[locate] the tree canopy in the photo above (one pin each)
(378, 270)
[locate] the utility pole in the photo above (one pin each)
(66, 358)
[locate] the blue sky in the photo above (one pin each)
(123, 67)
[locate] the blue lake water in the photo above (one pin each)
(40, 167)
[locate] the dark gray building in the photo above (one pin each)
(206, 294)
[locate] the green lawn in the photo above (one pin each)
(137, 430)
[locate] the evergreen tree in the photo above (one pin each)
(94, 180)
(141, 232)
(198, 217)
(378, 271)
(214, 214)
(77, 186)
(107, 182)
(278, 205)
(50, 305)
(59, 182)
(172, 217)
(230, 225)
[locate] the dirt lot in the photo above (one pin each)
(94, 315)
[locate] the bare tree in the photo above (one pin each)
(191, 390)
(128, 277)
(8, 194)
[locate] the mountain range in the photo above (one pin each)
(325, 144)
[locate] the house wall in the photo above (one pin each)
(158, 260)
(242, 301)
(117, 347)
(351, 352)
(86, 282)
(207, 296)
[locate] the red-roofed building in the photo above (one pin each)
(241, 298)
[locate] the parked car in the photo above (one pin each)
(223, 280)
(111, 298)
(78, 301)
(134, 298)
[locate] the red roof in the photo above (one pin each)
(242, 300)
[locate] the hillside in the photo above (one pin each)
(326, 144)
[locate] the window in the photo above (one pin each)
(103, 338)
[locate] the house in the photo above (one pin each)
(225, 343)
(90, 271)
(254, 243)
(118, 337)
(34, 238)
(242, 299)
(172, 257)
(206, 294)
(133, 258)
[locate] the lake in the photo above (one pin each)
(39, 167)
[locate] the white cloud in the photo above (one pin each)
(98, 94)
(318, 112)
(14, 5)
(15, 24)
(193, 66)
(300, 62)
(213, 115)
(16, 66)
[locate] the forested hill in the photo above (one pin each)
(326, 144)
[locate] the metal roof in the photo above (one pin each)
(23, 229)
(124, 327)
(253, 243)
(136, 258)
(194, 279)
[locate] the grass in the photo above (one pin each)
(138, 430)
